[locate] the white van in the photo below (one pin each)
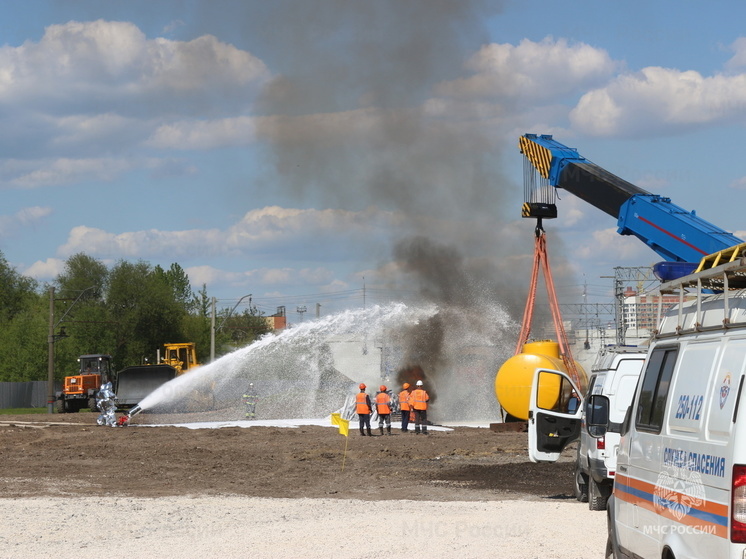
(614, 374)
(680, 486)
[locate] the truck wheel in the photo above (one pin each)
(59, 406)
(581, 485)
(597, 495)
(92, 405)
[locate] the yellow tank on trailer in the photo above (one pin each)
(514, 378)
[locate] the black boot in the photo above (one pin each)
(388, 429)
(362, 432)
(381, 430)
(369, 433)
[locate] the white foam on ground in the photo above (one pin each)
(291, 423)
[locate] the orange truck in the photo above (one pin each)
(79, 391)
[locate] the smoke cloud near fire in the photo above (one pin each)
(355, 123)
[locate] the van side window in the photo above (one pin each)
(654, 392)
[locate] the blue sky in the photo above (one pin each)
(298, 150)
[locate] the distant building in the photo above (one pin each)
(277, 321)
(641, 309)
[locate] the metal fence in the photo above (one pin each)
(23, 394)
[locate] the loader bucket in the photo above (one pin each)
(134, 383)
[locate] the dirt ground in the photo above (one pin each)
(69, 455)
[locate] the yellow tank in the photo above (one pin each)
(514, 379)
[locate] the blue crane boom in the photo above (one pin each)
(674, 233)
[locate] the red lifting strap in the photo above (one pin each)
(541, 258)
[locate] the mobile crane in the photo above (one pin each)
(686, 242)
(680, 237)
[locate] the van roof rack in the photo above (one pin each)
(719, 291)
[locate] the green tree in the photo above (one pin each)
(81, 289)
(17, 292)
(178, 280)
(145, 311)
(83, 276)
(23, 342)
(243, 329)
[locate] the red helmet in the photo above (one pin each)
(362, 386)
(405, 386)
(382, 388)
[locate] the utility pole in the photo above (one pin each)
(300, 311)
(644, 278)
(212, 331)
(50, 356)
(51, 338)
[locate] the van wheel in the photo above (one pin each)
(597, 495)
(581, 485)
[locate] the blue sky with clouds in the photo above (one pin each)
(290, 149)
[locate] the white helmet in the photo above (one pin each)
(419, 383)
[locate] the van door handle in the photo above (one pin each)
(622, 468)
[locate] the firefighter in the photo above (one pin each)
(106, 401)
(250, 398)
(363, 408)
(419, 399)
(383, 407)
(404, 406)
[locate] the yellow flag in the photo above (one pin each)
(343, 424)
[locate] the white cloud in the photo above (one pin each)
(23, 218)
(100, 64)
(267, 229)
(87, 90)
(532, 71)
(660, 100)
(739, 54)
(274, 223)
(37, 173)
(739, 184)
(262, 277)
(45, 269)
(616, 247)
(66, 171)
(204, 134)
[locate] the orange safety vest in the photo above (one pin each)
(404, 400)
(382, 403)
(362, 403)
(419, 399)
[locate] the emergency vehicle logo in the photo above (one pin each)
(724, 390)
(679, 492)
